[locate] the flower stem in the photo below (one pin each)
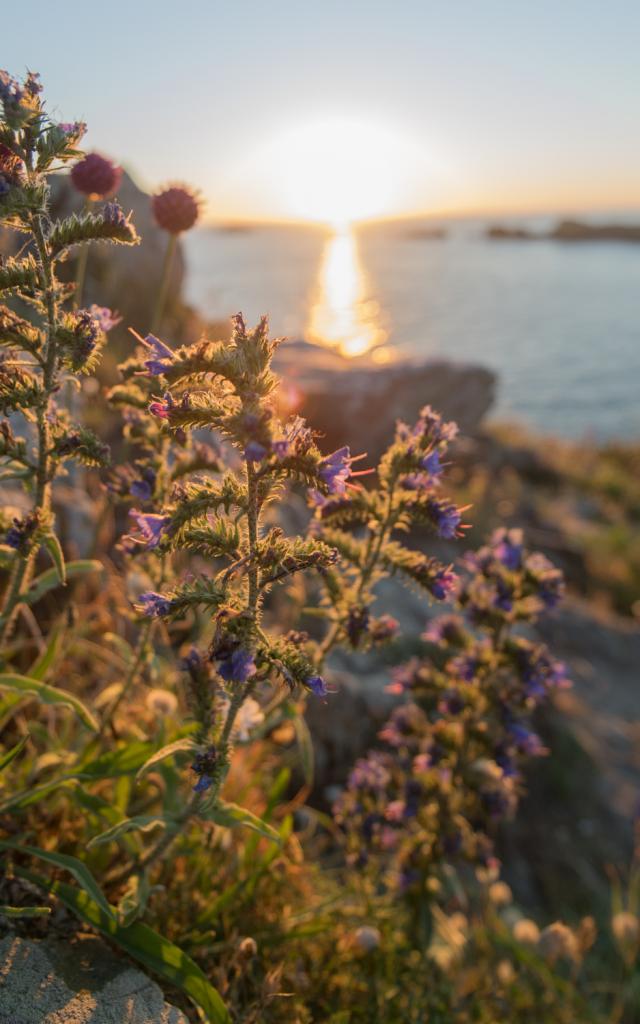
(158, 312)
(42, 499)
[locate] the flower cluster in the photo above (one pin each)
(455, 747)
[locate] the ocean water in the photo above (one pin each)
(558, 322)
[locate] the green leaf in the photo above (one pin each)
(124, 761)
(28, 797)
(79, 870)
(6, 759)
(152, 950)
(52, 544)
(142, 823)
(231, 815)
(50, 579)
(24, 911)
(42, 664)
(134, 900)
(184, 745)
(48, 695)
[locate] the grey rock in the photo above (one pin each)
(355, 402)
(53, 982)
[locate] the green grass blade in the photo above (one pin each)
(149, 948)
(74, 866)
(48, 695)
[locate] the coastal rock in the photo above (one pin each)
(356, 402)
(567, 231)
(54, 982)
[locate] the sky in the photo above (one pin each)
(286, 109)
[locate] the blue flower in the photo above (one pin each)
(335, 470)
(280, 448)
(508, 548)
(445, 517)
(443, 584)
(154, 605)
(142, 488)
(255, 452)
(431, 463)
(161, 356)
(238, 666)
(152, 527)
(203, 784)
(317, 685)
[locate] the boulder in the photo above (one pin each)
(356, 402)
(56, 982)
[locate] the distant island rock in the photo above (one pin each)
(568, 231)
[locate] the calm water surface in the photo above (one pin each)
(559, 322)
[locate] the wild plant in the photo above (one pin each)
(51, 347)
(456, 746)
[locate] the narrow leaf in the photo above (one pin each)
(7, 758)
(152, 950)
(142, 823)
(48, 695)
(24, 911)
(52, 544)
(184, 745)
(79, 870)
(50, 579)
(231, 815)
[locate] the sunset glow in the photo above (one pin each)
(337, 170)
(342, 315)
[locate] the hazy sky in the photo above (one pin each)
(340, 109)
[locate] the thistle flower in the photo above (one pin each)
(96, 176)
(176, 209)
(154, 605)
(151, 525)
(238, 666)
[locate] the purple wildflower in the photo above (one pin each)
(370, 773)
(443, 584)
(507, 547)
(143, 487)
(280, 448)
(96, 176)
(105, 317)
(204, 764)
(317, 685)
(154, 605)
(112, 213)
(161, 356)
(335, 470)
(151, 525)
(163, 409)
(431, 464)
(238, 666)
(255, 452)
(445, 517)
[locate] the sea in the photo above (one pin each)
(559, 322)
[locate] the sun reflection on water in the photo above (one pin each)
(342, 316)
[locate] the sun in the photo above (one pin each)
(337, 169)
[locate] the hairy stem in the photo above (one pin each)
(23, 570)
